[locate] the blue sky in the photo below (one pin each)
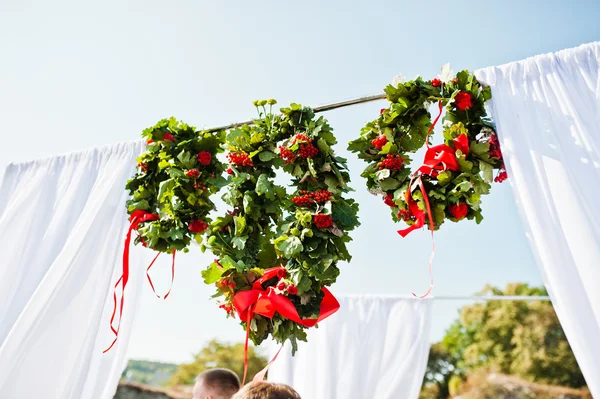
(76, 74)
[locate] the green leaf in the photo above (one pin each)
(212, 274)
(388, 148)
(323, 146)
(389, 184)
(480, 148)
(290, 247)
(227, 263)
(139, 205)
(166, 188)
(240, 225)
(487, 170)
(239, 242)
(186, 159)
(344, 213)
(263, 185)
(266, 156)
(248, 202)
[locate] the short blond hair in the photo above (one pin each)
(266, 390)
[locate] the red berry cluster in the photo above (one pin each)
(301, 137)
(286, 154)
(229, 171)
(290, 289)
(226, 307)
(380, 141)
(495, 151)
(305, 199)
(143, 167)
(226, 283)
(199, 186)
(392, 162)
(501, 176)
(405, 215)
(436, 82)
(307, 151)
(197, 226)
(240, 159)
(193, 173)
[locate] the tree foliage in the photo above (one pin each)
(518, 338)
(219, 354)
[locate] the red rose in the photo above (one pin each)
(389, 201)
(322, 221)
(281, 273)
(292, 289)
(436, 82)
(459, 211)
(197, 226)
(204, 158)
(229, 171)
(463, 101)
(193, 173)
(281, 285)
(380, 141)
(168, 137)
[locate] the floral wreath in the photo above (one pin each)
(450, 182)
(278, 253)
(170, 193)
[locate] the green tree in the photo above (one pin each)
(519, 338)
(219, 354)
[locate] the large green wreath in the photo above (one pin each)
(304, 233)
(455, 174)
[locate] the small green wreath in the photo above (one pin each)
(176, 176)
(455, 174)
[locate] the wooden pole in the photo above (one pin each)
(322, 108)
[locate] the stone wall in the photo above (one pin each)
(130, 390)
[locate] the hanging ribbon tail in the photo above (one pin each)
(260, 376)
(148, 275)
(248, 320)
(433, 124)
(172, 276)
(431, 228)
(135, 219)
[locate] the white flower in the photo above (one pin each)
(447, 123)
(398, 79)
(447, 74)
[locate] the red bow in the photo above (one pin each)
(267, 302)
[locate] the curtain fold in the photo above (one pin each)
(547, 112)
(62, 223)
(373, 347)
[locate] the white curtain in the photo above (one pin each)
(62, 223)
(373, 347)
(547, 111)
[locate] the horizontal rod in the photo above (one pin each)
(456, 298)
(322, 108)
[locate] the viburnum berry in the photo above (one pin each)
(501, 176)
(229, 171)
(292, 289)
(240, 159)
(392, 162)
(281, 273)
(197, 226)
(302, 201)
(193, 173)
(321, 196)
(380, 141)
(226, 307)
(286, 154)
(281, 285)
(307, 150)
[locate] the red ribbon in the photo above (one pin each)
(266, 302)
(136, 218)
(437, 159)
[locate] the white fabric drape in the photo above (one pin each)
(62, 222)
(373, 347)
(547, 111)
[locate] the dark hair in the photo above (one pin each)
(224, 381)
(266, 390)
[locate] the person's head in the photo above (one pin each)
(216, 384)
(266, 390)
